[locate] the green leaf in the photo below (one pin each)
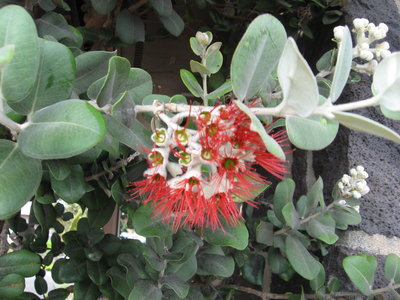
(179, 99)
(146, 224)
(312, 133)
(115, 81)
(343, 65)
(58, 294)
(21, 262)
(11, 286)
(236, 237)
(18, 76)
(69, 270)
(253, 269)
(256, 55)
(118, 281)
(54, 78)
(62, 130)
(300, 259)
(45, 214)
(85, 290)
(173, 282)
(6, 54)
(137, 137)
(221, 91)
(144, 290)
(299, 86)
(386, 82)
(318, 281)
(277, 262)
(345, 216)
(17, 185)
(173, 23)
(129, 27)
(40, 285)
(214, 62)
(265, 233)
(191, 83)
(90, 66)
(215, 264)
(59, 169)
(99, 217)
(96, 272)
(392, 268)
(55, 25)
(162, 7)
(73, 187)
(361, 271)
(195, 66)
(272, 146)
(325, 62)
(323, 228)
(291, 215)
(283, 194)
(363, 124)
(149, 99)
(213, 48)
(139, 85)
(184, 270)
(103, 7)
(196, 47)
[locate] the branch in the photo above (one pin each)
(4, 246)
(119, 165)
(137, 5)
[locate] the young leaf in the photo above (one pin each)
(283, 194)
(272, 146)
(195, 66)
(343, 65)
(363, 124)
(300, 259)
(256, 55)
(392, 268)
(191, 83)
(62, 130)
(361, 271)
(312, 133)
(17, 185)
(236, 237)
(18, 75)
(299, 86)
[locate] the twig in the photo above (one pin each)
(119, 165)
(287, 228)
(135, 6)
(4, 246)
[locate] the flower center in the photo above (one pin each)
(211, 129)
(206, 154)
(156, 158)
(230, 163)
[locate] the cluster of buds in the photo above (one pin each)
(196, 177)
(367, 48)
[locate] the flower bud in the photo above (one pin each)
(383, 27)
(338, 33)
(367, 55)
(203, 38)
(360, 23)
(384, 53)
(356, 194)
(353, 172)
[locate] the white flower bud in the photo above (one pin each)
(363, 175)
(364, 46)
(341, 185)
(359, 169)
(382, 46)
(346, 179)
(342, 202)
(203, 39)
(367, 55)
(385, 53)
(357, 208)
(383, 27)
(356, 194)
(371, 27)
(360, 23)
(338, 33)
(353, 172)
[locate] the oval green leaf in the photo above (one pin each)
(191, 83)
(20, 177)
(173, 23)
(312, 133)
(145, 290)
(361, 271)
(62, 130)
(21, 262)
(18, 75)
(236, 237)
(256, 55)
(103, 7)
(11, 286)
(392, 268)
(130, 27)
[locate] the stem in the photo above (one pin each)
(265, 296)
(6, 121)
(287, 228)
(119, 165)
(135, 6)
(205, 100)
(348, 106)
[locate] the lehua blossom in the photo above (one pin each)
(199, 177)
